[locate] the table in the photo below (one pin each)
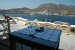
(37, 42)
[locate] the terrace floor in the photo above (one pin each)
(67, 42)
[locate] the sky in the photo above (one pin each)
(8, 4)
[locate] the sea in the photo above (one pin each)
(53, 18)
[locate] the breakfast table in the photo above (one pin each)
(36, 37)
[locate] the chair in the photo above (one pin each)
(47, 22)
(9, 18)
(5, 42)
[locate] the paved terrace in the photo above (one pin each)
(67, 42)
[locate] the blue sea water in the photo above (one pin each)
(53, 18)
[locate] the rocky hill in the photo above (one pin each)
(23, 10)
(47, 8)
(54, 8)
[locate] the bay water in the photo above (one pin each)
(53, 18)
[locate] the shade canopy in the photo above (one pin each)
(36, 20)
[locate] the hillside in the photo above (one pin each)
(23, 10)
(54, 8)
(47, 8)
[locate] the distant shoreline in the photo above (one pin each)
(43, 17)
(45, 14)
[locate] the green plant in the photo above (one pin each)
(41, 20)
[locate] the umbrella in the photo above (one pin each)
(36, 20)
